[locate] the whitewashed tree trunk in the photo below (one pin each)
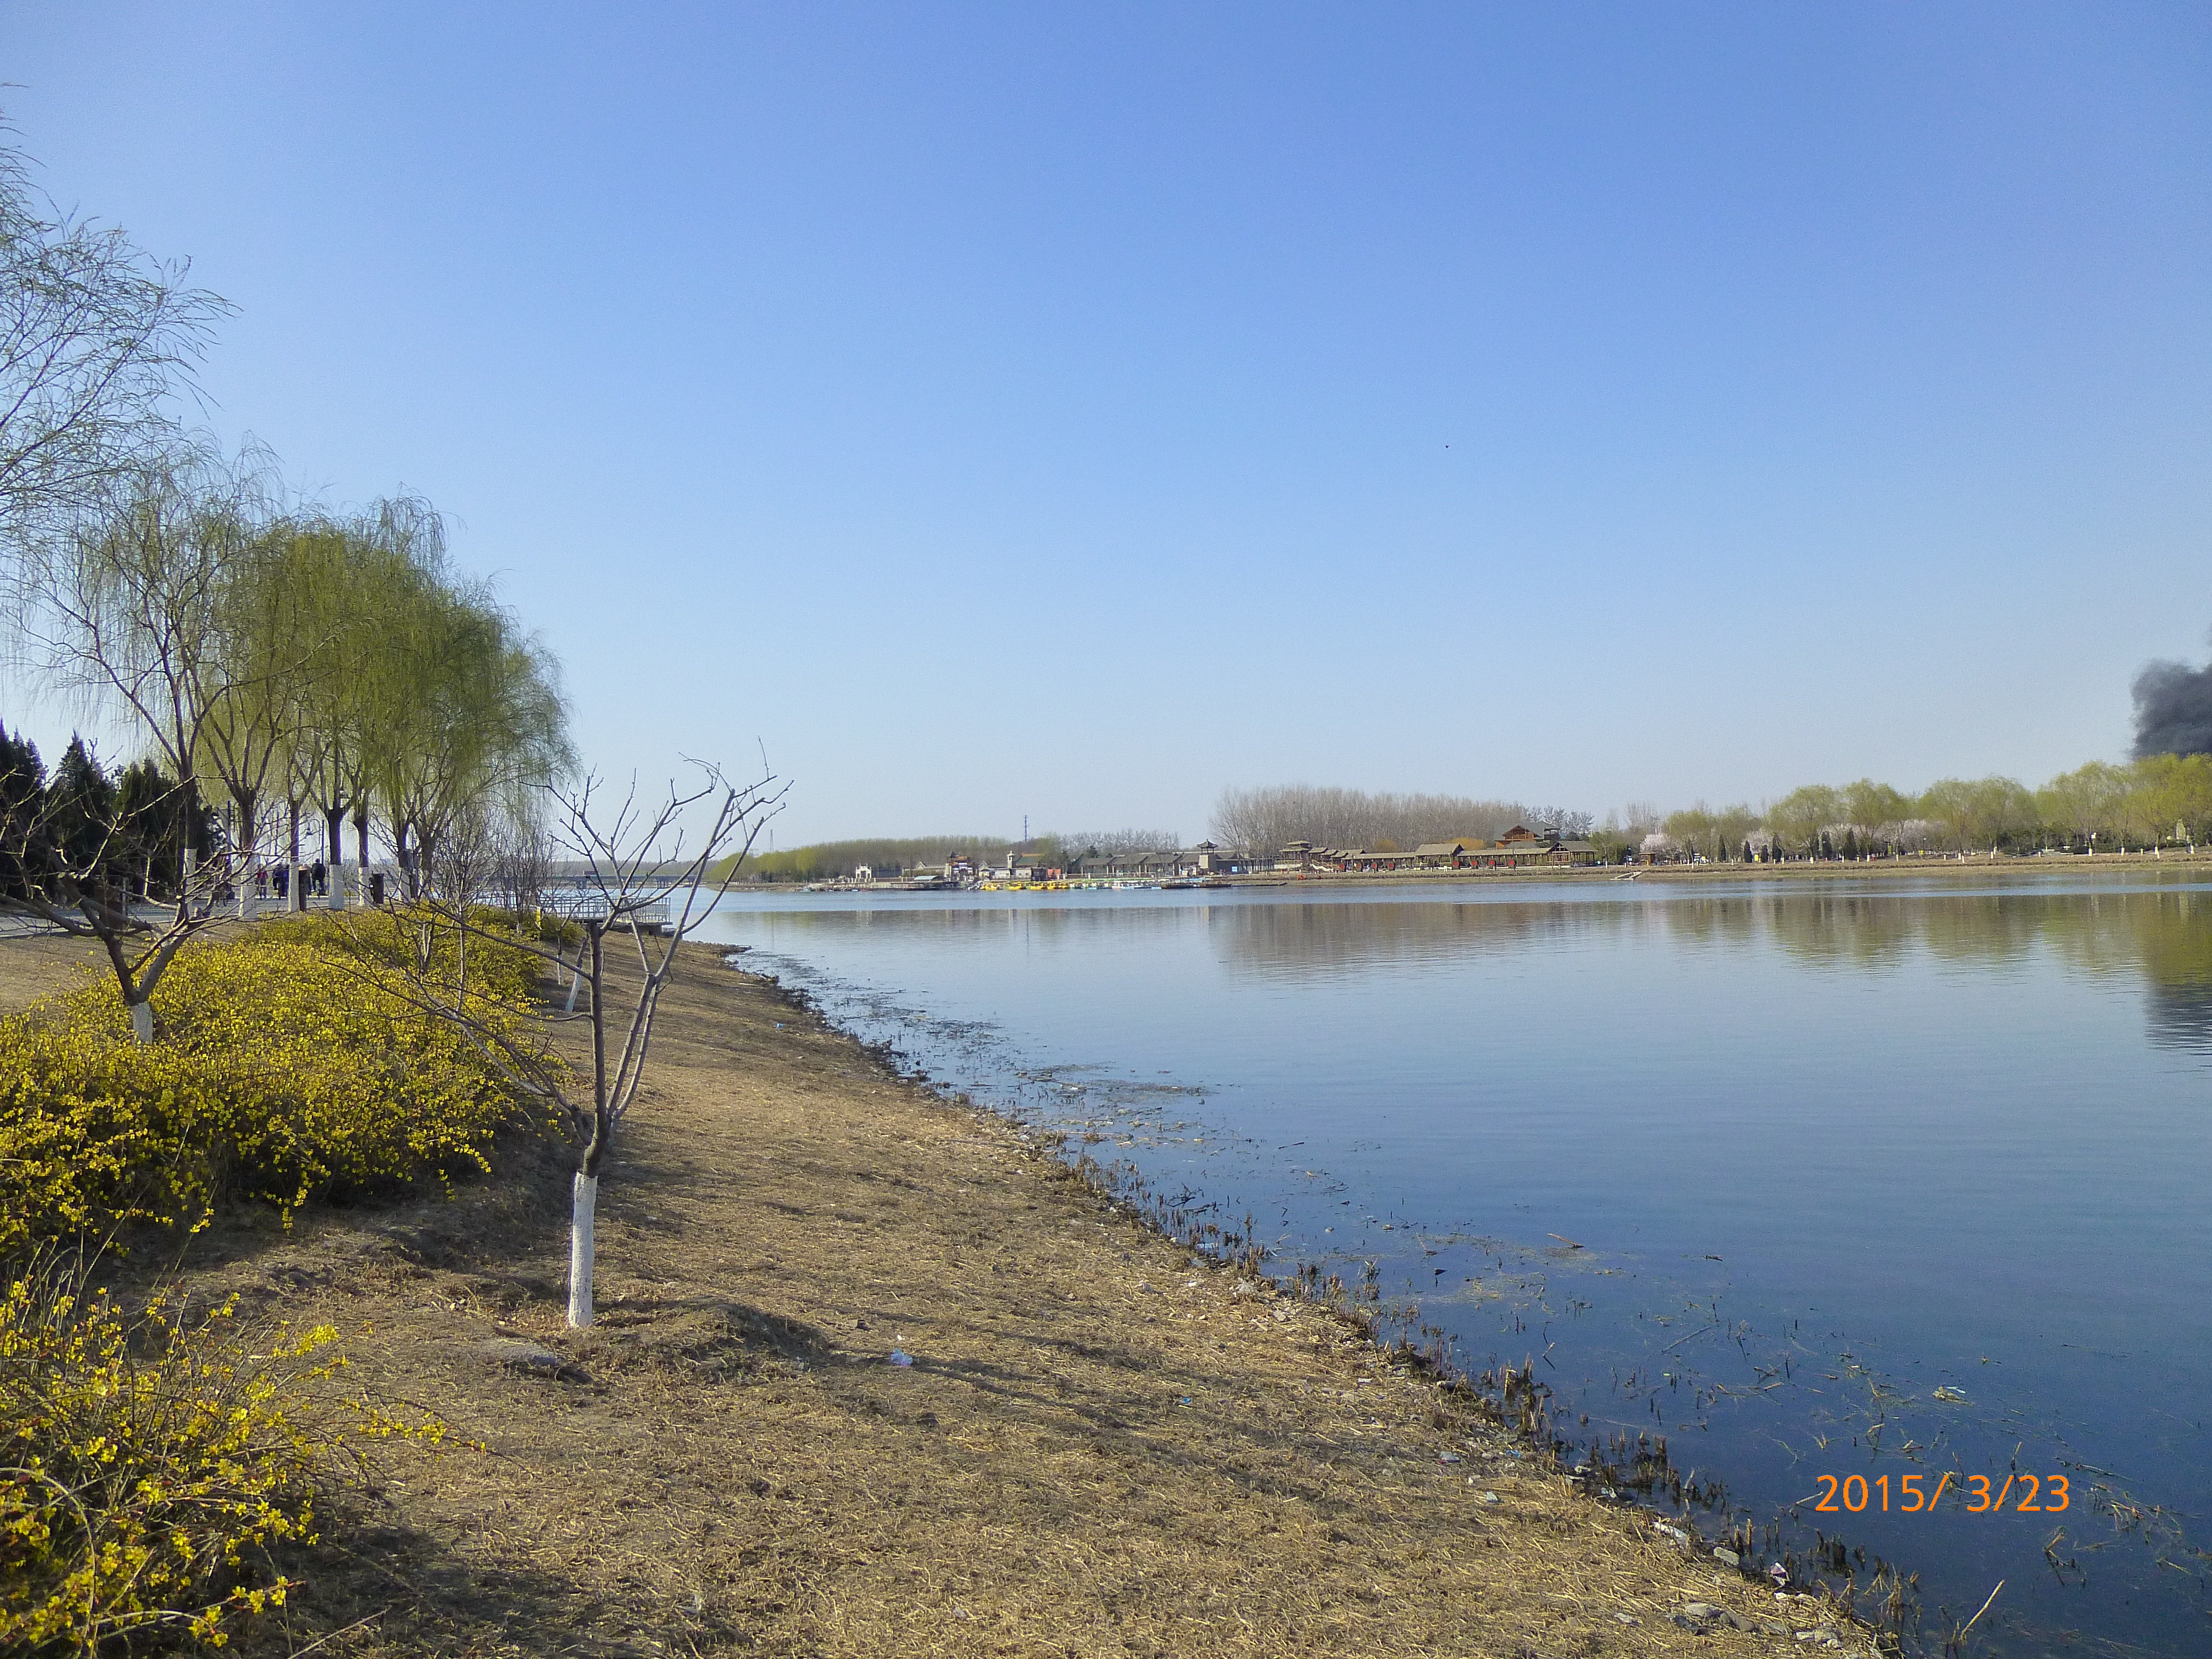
(583, 1207)
(141, 1022)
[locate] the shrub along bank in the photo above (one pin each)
(150, 1459)
(281, 1075)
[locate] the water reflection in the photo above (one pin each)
(2162, 938)
(1872, 1178)
(1316, 941)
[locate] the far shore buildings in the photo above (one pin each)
(1519, 847)
(1176, 864)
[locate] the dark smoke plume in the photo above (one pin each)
(2173, 709)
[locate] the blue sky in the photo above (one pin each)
(1006, 410)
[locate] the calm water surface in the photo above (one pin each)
(1821, 1151)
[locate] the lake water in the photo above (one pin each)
(1758, 1168)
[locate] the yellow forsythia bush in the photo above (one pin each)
(149, 1463)
(282, 1072)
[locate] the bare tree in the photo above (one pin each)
(1565, 821)
(1638, 818)
(1114, 842)
(502, 854)
(1263, 820)
(644, 887)
(93, 336)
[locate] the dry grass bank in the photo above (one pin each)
(1100, 1449)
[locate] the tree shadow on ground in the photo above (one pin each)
(380, 1587)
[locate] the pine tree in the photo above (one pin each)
(23, 792)
(81, 812)
(150, 810)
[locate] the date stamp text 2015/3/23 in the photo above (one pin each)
(1919, 1494)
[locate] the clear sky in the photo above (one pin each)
(1071, 410)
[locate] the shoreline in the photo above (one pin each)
(1975, 867)
(1972, 868)
(1105, 1444)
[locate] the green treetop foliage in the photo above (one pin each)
(1795, 821)
(2159, 799)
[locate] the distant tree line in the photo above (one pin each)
(2104, 806)
(1263, 820)
(1112, 842)
(2161, 798)
(2164, 795)
(834, 860)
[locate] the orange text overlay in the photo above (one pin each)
(1919, 1494)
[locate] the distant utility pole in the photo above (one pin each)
(1025, 829)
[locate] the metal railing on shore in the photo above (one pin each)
(647, 914)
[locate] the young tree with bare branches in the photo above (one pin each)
(644, 890)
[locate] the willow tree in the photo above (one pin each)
(270, 647)
(1879, 811)
(1980, 813)
(1798, 817)
(130, 610)
(464, 708)
(317, 560)
(1692, 827)
(349, 575)
(399, 569)
(95, 337)
(2175, 793)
